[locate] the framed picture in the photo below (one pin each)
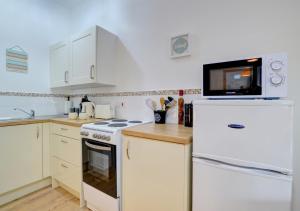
(180, 46)
(16, 59)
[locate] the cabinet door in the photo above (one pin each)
(46, 150)
(153, 175)
(59, 64)
(83, 55)
(20, 155)
(67, 173)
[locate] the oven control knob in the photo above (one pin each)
(94, 135)
(107, 138)
(83, 133)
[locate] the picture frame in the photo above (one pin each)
(180, 45)
(16, 59)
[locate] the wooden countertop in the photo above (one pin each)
(74, 123)
(162, 132)
(15, 122)
(44, 119)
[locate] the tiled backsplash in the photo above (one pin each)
(127, 104)
(134, 107)
(104, 94)
(41, 105)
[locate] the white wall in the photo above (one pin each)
(220, 30)
(33, 25)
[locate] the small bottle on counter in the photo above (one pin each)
(180, 107)
(68, 105)
(188, 115)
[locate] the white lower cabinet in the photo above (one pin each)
(66, 158)
(21, 156)
(67, 173)
(156, 175)
(67, 149)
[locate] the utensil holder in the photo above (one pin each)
(160, 116)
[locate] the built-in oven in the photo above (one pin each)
(99, 166)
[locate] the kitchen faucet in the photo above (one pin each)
(31, 113)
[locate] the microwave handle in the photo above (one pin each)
(97, 147)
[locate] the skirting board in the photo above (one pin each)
(20, 192)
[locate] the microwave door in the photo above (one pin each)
(232, 79)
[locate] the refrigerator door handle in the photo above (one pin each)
(260, 171)
(236, 126)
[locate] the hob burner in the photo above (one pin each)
(119, 120)
(117, 125)
(101, 123)
(135, 121)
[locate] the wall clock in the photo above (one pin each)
(180, 46)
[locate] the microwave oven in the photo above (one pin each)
(260, 77)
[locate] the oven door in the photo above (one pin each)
(233, 79)
(99, 166)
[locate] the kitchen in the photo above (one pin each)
(218, 31)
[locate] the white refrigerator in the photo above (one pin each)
(242, 155)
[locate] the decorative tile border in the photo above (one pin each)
(108, 94)
(141, 93)
(31, 94)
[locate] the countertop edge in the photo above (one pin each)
(157, 137)
(37, 121)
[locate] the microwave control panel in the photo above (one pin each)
(276, 75)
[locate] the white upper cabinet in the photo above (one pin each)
(91, 57)
(84, 57)
(60, 64)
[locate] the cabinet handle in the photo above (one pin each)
(37, 132)
(64, 166)
(63, 141)
(127, 151)
(64, 129)
(67, 76)
(92, 72)
(66, 81)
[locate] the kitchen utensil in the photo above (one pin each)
(151, 104)
(170, 99)
(104, 111)
(170, 103)
(162, 103)
(89, 108)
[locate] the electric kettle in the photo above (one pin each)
(89, 108)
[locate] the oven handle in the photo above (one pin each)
(97, 147)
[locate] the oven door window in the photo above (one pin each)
(99, 166)
(233, 78)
